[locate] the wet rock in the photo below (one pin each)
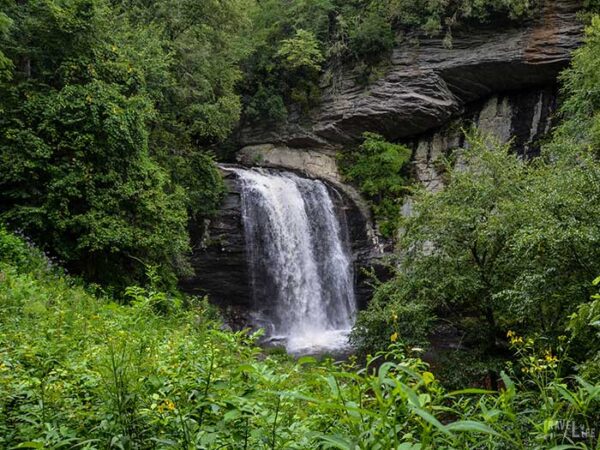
(221, 264)
(219, 254)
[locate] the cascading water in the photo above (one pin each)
(301, 270)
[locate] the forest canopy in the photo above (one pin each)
(110, 111)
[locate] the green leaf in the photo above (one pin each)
(470, 391)
(306, 360)
(510, 385)
(337, 442)
(471, 426)
(231, 415)
(430, 419)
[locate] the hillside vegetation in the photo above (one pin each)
(78, 370)
(112, 114)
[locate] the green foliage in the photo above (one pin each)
(203, 43)
(371, 37)
(495, 251)
(81, 371)
(282, 74)
(584, 326)
(16, 252)
(581, 108)
(5, 63)
(377, 167)
(99, 143)
(301, 52)
(436, 15)
(266, 105)
(391, 316)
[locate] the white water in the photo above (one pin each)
(300, 267)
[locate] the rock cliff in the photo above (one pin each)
(428, 84)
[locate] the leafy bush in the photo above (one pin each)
(391, 317)
(266, 105)
(301, 53)
(377, 166)
(5, 63)
(581, 108)
(371, 37)
(86, 149)
(584, 326)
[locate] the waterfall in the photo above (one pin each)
(299, 260)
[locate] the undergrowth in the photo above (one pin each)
(79, 370)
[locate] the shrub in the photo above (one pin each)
(377, 167)
(371, 38)
(391, 316)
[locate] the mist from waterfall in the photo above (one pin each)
(300, 264)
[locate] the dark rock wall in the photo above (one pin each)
(219, 254)
(220, 262)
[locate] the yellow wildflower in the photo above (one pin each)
(394, 337)
(515, 340)
(428, 378)
(166, 405)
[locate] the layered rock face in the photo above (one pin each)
(521, 118)
(219, 253)
(427, 84)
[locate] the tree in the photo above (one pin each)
(507, 245)
(5, 63)
(82, 173)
